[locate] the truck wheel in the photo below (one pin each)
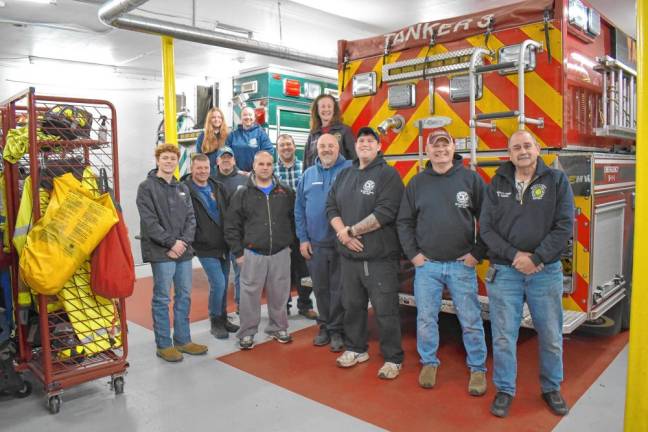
(608, 324)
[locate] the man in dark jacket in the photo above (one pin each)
(167, 227)
(208, 198)
(317, 240)
(259, 231)
(436, 227)
(362, 208)
(526, 222)
(232, 179)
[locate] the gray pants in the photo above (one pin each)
(273, 273)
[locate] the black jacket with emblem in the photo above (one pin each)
(209, 240)
(166, 215)
(356, 194)
(541, 222)
(264, 224)
(438, 214)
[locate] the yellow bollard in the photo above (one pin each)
(170, 114)
(636, 411)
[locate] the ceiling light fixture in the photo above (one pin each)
(52, 2)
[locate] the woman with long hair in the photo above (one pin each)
(213, 137)
(326, 117)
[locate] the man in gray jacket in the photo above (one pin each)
(167, 228)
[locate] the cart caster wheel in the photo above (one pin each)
(24, 391)
(54, 404)
(118, 385)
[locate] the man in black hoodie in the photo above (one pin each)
(362, 207)
(167, 228)
(208, 198)
(436, 227)
(526, 221)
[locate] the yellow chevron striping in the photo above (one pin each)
(411, 173)
(536, 32)
(570, 304)
(358, 103)
(352, 68)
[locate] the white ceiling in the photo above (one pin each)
(70, 29)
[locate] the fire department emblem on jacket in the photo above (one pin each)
(538, 191)
(368, 187)
(463, 199)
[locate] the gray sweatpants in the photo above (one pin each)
(273, 273)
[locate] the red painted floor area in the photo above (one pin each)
(401, 405)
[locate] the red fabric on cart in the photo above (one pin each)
(401, 405)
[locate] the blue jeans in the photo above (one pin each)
(228, 263)
(164, 273)
(542, 292)
(461, 281)
(217, 287)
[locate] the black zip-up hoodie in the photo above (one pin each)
(356, 194)
(209, 240)
(438, 213)
(264, 224)
(231, 181)
(166, 215)
(540, 223)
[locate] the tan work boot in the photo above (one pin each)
(427, 377)
(477, 385)
(170, 354)
(192, 348)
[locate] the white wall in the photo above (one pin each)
(135, 99)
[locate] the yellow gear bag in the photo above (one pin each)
(73, 225)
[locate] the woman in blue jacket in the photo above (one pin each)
(247, 140)
(213, 137)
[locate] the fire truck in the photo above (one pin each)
(556, 68)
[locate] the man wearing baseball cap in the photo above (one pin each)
(436, 227)
(362, 207)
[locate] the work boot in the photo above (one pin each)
(477, 384)
(218, 329)
(322, 338)
(230, 326)
(427, 376)
(337, 342)
(556, 403)
(308, 313)
(192, 348)
(501, 404)
(170, 354)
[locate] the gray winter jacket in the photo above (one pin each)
(166, 215)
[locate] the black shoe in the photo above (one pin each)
(218, 328)
(556, 403)
(230, 326)
(337, 342)
(322, 338)
(501, 404)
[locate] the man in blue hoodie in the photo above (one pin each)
(247, 140)
(317, 240)
(436, 227)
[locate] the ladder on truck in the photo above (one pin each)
(619, 99)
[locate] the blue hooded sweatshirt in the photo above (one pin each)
(311, 222)
(246, 143)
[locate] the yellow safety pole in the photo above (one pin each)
(636, 412)
(168, 71)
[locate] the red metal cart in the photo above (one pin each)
(75, 336)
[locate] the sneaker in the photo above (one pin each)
(477, 385)
(351, 358)
(322, 338)
(230, 326)
(309, 314)
(246, 342)
(218, 329)
(192, 348)
(337, 342)
(170, 354)
(501, 404)
(281, 336)
(556, 402)
(389, 370)
(427, 376)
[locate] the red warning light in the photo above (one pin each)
(292, 87)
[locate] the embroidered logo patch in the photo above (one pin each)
(463, 199)
(368, 187)
(538, 191)
(253, 142)
(501, 194)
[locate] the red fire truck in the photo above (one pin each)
(556, 68)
